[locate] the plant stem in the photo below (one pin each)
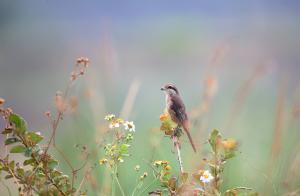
(113, 188)
(145, 189)
(117, 180)
(176, 143)
(136, 188)
(81, 183)
(15, 178)
(216, 171)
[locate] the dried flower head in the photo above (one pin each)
(229, 144)
(142, 177)
(163, 117)
(168, 167)
(83, 60)
(79, 60)
(73, 76)
(48, 114)
(137, 168)
(103, 161)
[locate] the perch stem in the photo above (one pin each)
(176, 144)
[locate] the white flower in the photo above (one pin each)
(206, 177)
(109, 117)
(129, 126)
(114, 125)
(38, 133)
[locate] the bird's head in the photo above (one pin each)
(170, 89)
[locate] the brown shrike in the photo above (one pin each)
(176, 109)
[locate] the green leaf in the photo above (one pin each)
(34, 137)
(28, 152)
(229, 154)
(52, 163)
(8, 177)
(214, 139)
(19, 122)
(20, 172)
(18, 149)
(11, 165)
(40, 174)
(28, 162)
(124, 148)
(11, 140)
(55, 173)
(7, 131)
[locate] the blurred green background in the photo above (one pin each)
(236, 64)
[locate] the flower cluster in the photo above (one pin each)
(164, 170)
(116, 122)
(83, 60)
(122, 138)
(167, 125)
(82, 64)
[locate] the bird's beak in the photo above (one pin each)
(162, 88)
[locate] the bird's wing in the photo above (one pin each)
(178, 109)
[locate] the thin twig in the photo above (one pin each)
(137, 187)
(58, 118)
(150, 165)
(15, 178)
(44, 170)
(242, 188)
(176, 144)
(147, 187)
(74, 172)
(6, 147)
(81, 184)
(54, 128)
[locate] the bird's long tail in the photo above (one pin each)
(186, 129)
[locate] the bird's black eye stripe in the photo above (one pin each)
(173, 88)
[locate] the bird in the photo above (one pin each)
(176, 109)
